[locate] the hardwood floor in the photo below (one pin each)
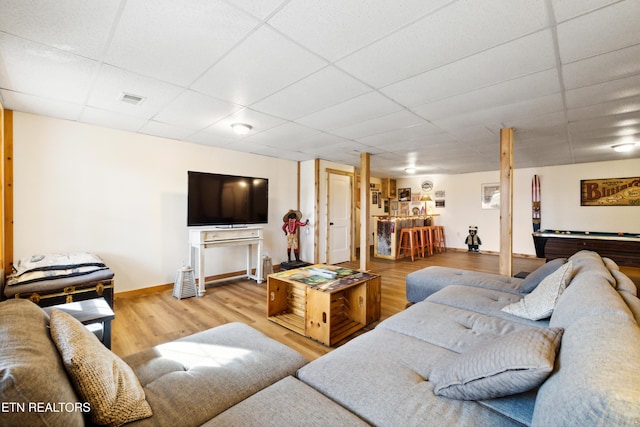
(149, 319)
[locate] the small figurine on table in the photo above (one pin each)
(291, 223)
(473, 240)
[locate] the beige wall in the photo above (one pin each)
(560, 190)
(123, 195)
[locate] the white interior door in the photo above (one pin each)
(339, 209)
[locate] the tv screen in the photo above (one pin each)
(215, 199)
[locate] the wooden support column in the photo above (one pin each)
(7, 189)
(506, 201)
(365, 179)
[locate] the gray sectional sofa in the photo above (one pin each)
(456, 357)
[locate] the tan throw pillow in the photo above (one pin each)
(99, 376)
(539, 304)
(510, 364)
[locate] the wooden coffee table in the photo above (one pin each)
(323, 308)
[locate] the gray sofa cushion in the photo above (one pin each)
(485, 301)
(289, 402)
(427, 281)
(31, 369)
(510, 364)
(452, 328)
(382, 377)
(597, 379)
(624, 283)
(209, 372)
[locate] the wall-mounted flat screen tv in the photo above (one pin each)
(216, 199)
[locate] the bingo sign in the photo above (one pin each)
(610, 192)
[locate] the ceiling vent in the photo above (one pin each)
(131, 99)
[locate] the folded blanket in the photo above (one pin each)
(51, 266)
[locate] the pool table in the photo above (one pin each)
(623, 248)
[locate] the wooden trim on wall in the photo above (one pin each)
(7, 191)
(365, 209)
(316, 218)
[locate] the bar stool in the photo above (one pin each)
(409, 238)
(439, 244)
(426, 240)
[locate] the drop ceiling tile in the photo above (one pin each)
(506, 114)
(382, 124)
(193, 110)
(611, 133)
(164, 130)
(210, 139)
(535, 123)
(278, 153)
(258, 8)
(43, 71)
(112, 82)
(597, 153)
(620, 106)
(77, 27)
(43, 106)
(445, 150)
(424, 143)
(518, 58)
(468, 164)
(262, 64)
(608, 29)
(177, 41)
(110, 119)
(540, 135)
(408, 133)
(285, 136)
(344, 151)
(322, 89)
(356, 110)
(509, 92)
(334, 28)
(601, 68)
(567, 9)
(472, 133)
(454, 32)
(603, 92)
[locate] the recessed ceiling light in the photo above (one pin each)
(241, 128)
(623, 148)
(410, 170)
(130, 98)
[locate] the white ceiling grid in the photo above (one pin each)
(417, 83)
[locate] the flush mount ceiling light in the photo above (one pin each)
(410, 171)
(241, 128)
(623, 148)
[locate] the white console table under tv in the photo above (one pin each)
(216, 237)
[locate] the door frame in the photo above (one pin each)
(352, 222)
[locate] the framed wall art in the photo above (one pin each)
(490, 196)
(610, 192)
(404, 194)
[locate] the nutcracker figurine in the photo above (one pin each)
(291, 223)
